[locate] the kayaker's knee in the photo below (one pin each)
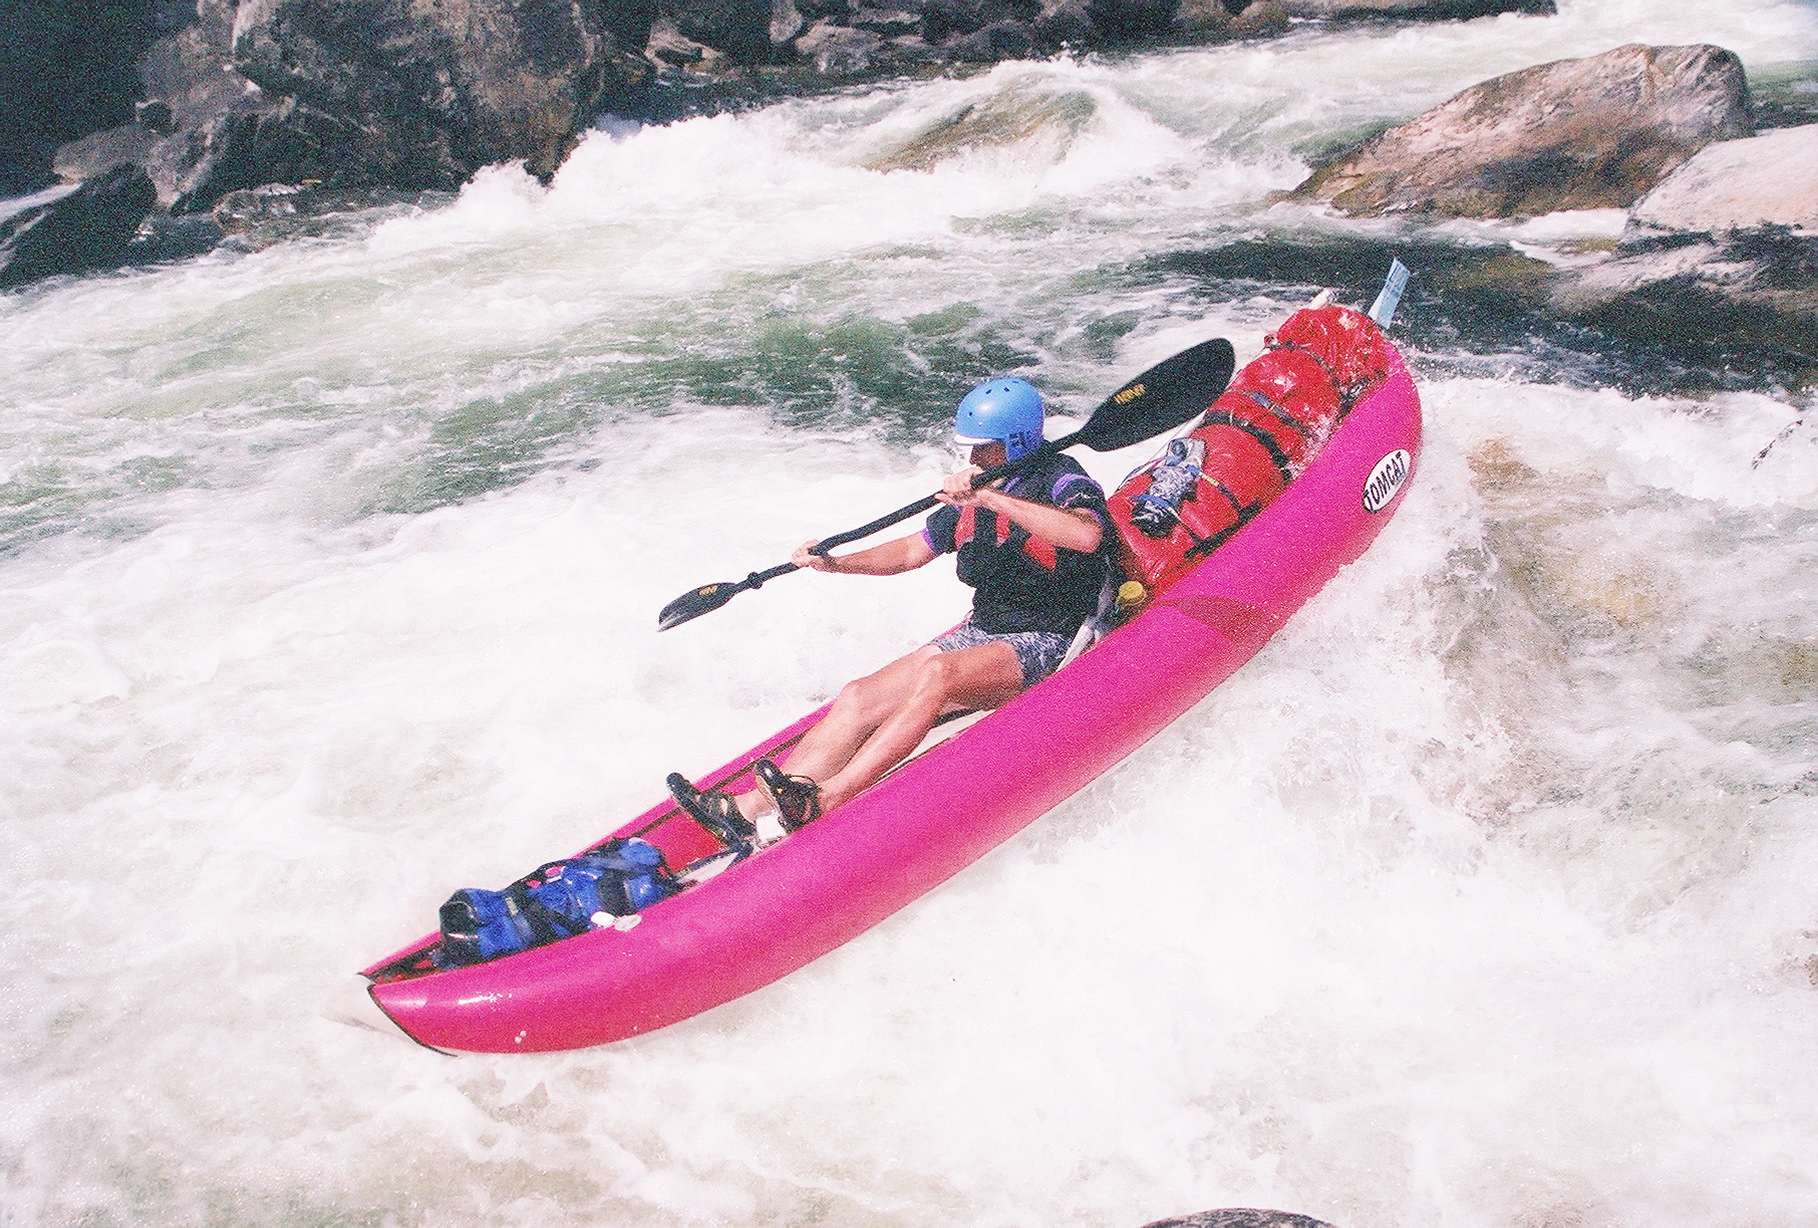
(936, 680)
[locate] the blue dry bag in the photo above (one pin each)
(558, 900)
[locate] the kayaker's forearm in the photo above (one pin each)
(889, 559)
(1067, 528)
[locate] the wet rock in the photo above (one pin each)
(425, 95)
(1768, 180)
(1576, 134)
(1062, 24)
(1428, 10)
(1010, 118)
(1260, 19)
(669, 47)
(155, 117)
(739, 28)
(1739, 290)
(253, 218)
(1241, 1217)
(101, 151)
(66, 70)
(836, 50)
(1003, 40)
(85, 231)
(1727, 243)
(283, 203)
(1127, 21)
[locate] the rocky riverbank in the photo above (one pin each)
(1722, 232)
(382, 97)
(256, 113)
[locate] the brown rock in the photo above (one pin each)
(1577, 134)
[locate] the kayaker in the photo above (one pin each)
(1032, 545)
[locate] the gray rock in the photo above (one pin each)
(87, 230)
(1002, 40)
(100, 151)
(1203, 21)
(1725, 245)
(1576, 134)
(431, 93)
(838, 50)
(1064, 23)
(1260, 19)
(1009, 118)
(1755, 288)
(668, 46)
(1241, 1217)
(1768, 180)
(1430, 10)
(1124, 21)
(740, 28)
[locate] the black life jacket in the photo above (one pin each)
(1023, 582)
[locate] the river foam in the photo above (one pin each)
(329, 585)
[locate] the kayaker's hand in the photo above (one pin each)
(958, 491)
(805, 557)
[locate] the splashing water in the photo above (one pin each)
(329, 582)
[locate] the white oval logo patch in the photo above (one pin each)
(1390, 472)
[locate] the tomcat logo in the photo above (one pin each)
(1390, 472)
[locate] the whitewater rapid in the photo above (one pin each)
(329, 574)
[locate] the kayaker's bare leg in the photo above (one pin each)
(987, 676)
(878, 720)
(861, 706)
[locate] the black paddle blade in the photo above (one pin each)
(1161, 398)
(1153, 403)
(703, 600)
(710, 597)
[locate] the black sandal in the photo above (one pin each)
(797, 798)
(715, 811)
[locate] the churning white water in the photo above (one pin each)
(330, 571)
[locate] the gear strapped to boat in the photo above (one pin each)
(558, 900)
(1257, 437)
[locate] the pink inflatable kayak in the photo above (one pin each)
(762, 918)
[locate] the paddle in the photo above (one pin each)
(1158, 400)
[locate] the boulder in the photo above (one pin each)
(87, 230)
(1768, 180)
(1260, 19)
(1594, 133)
(1743, 290)
(427, 94)
(1063, 23)
(1425, 10)
(1001, 40)
(1241, 1217)
(836, 50)
(1126, 21)
(1725, 246)
(739, 28)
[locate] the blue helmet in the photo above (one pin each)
(1001, 410)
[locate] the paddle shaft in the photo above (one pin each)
(923, 504)
(1159, 399)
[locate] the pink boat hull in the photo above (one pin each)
(796, 900)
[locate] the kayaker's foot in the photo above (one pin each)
(797, 798)
(715, 811)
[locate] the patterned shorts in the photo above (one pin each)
(1038, 652)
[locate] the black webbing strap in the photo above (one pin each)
(1219, 417)
(1347, 393)
(545, 923)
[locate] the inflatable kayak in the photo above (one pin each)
(1287, 477)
